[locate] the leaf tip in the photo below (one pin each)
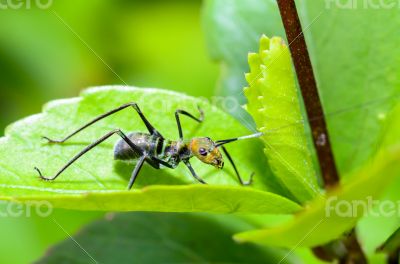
(264, 43)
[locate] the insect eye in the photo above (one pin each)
(203, 152)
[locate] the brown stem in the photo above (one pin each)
(355, 254)
(308, 86)
(393, 258)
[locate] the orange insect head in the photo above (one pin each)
(207, 151)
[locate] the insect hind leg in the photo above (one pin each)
(136, 171)
(135, 106)
(87, 149)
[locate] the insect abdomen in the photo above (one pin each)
(146, 142)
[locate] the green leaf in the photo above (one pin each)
(161, 238)
(373, 230)
(96, 182)
(232, 29)
(273, 102)
(328, 218)
(392, 244)
(323, 221)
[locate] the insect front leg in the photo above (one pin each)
(187, 163)
(236, 170)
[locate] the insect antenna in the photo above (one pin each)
(226, 141)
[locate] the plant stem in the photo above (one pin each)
(308, 86)
(355, 253)
(393, 258)
(309, 90)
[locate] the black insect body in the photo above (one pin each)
(157, 151)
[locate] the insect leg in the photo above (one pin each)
(187, 163)
(91, 146)
(151, 129)
(236, 170)
(136, 171)
(183, 112)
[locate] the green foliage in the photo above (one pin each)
(358, 85)
(96, 182)
(35, 71)
(325, 220)
(274, 104)
(162, 238)
(322, 221)
(41, 59)
(355, 66)
(233, 28)
(392, 244)
(357, 70)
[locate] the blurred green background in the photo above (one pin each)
(56, 52)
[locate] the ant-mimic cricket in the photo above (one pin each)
(157, 151)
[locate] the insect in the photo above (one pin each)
(154, 149)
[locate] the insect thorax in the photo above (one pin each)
(175, 151)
